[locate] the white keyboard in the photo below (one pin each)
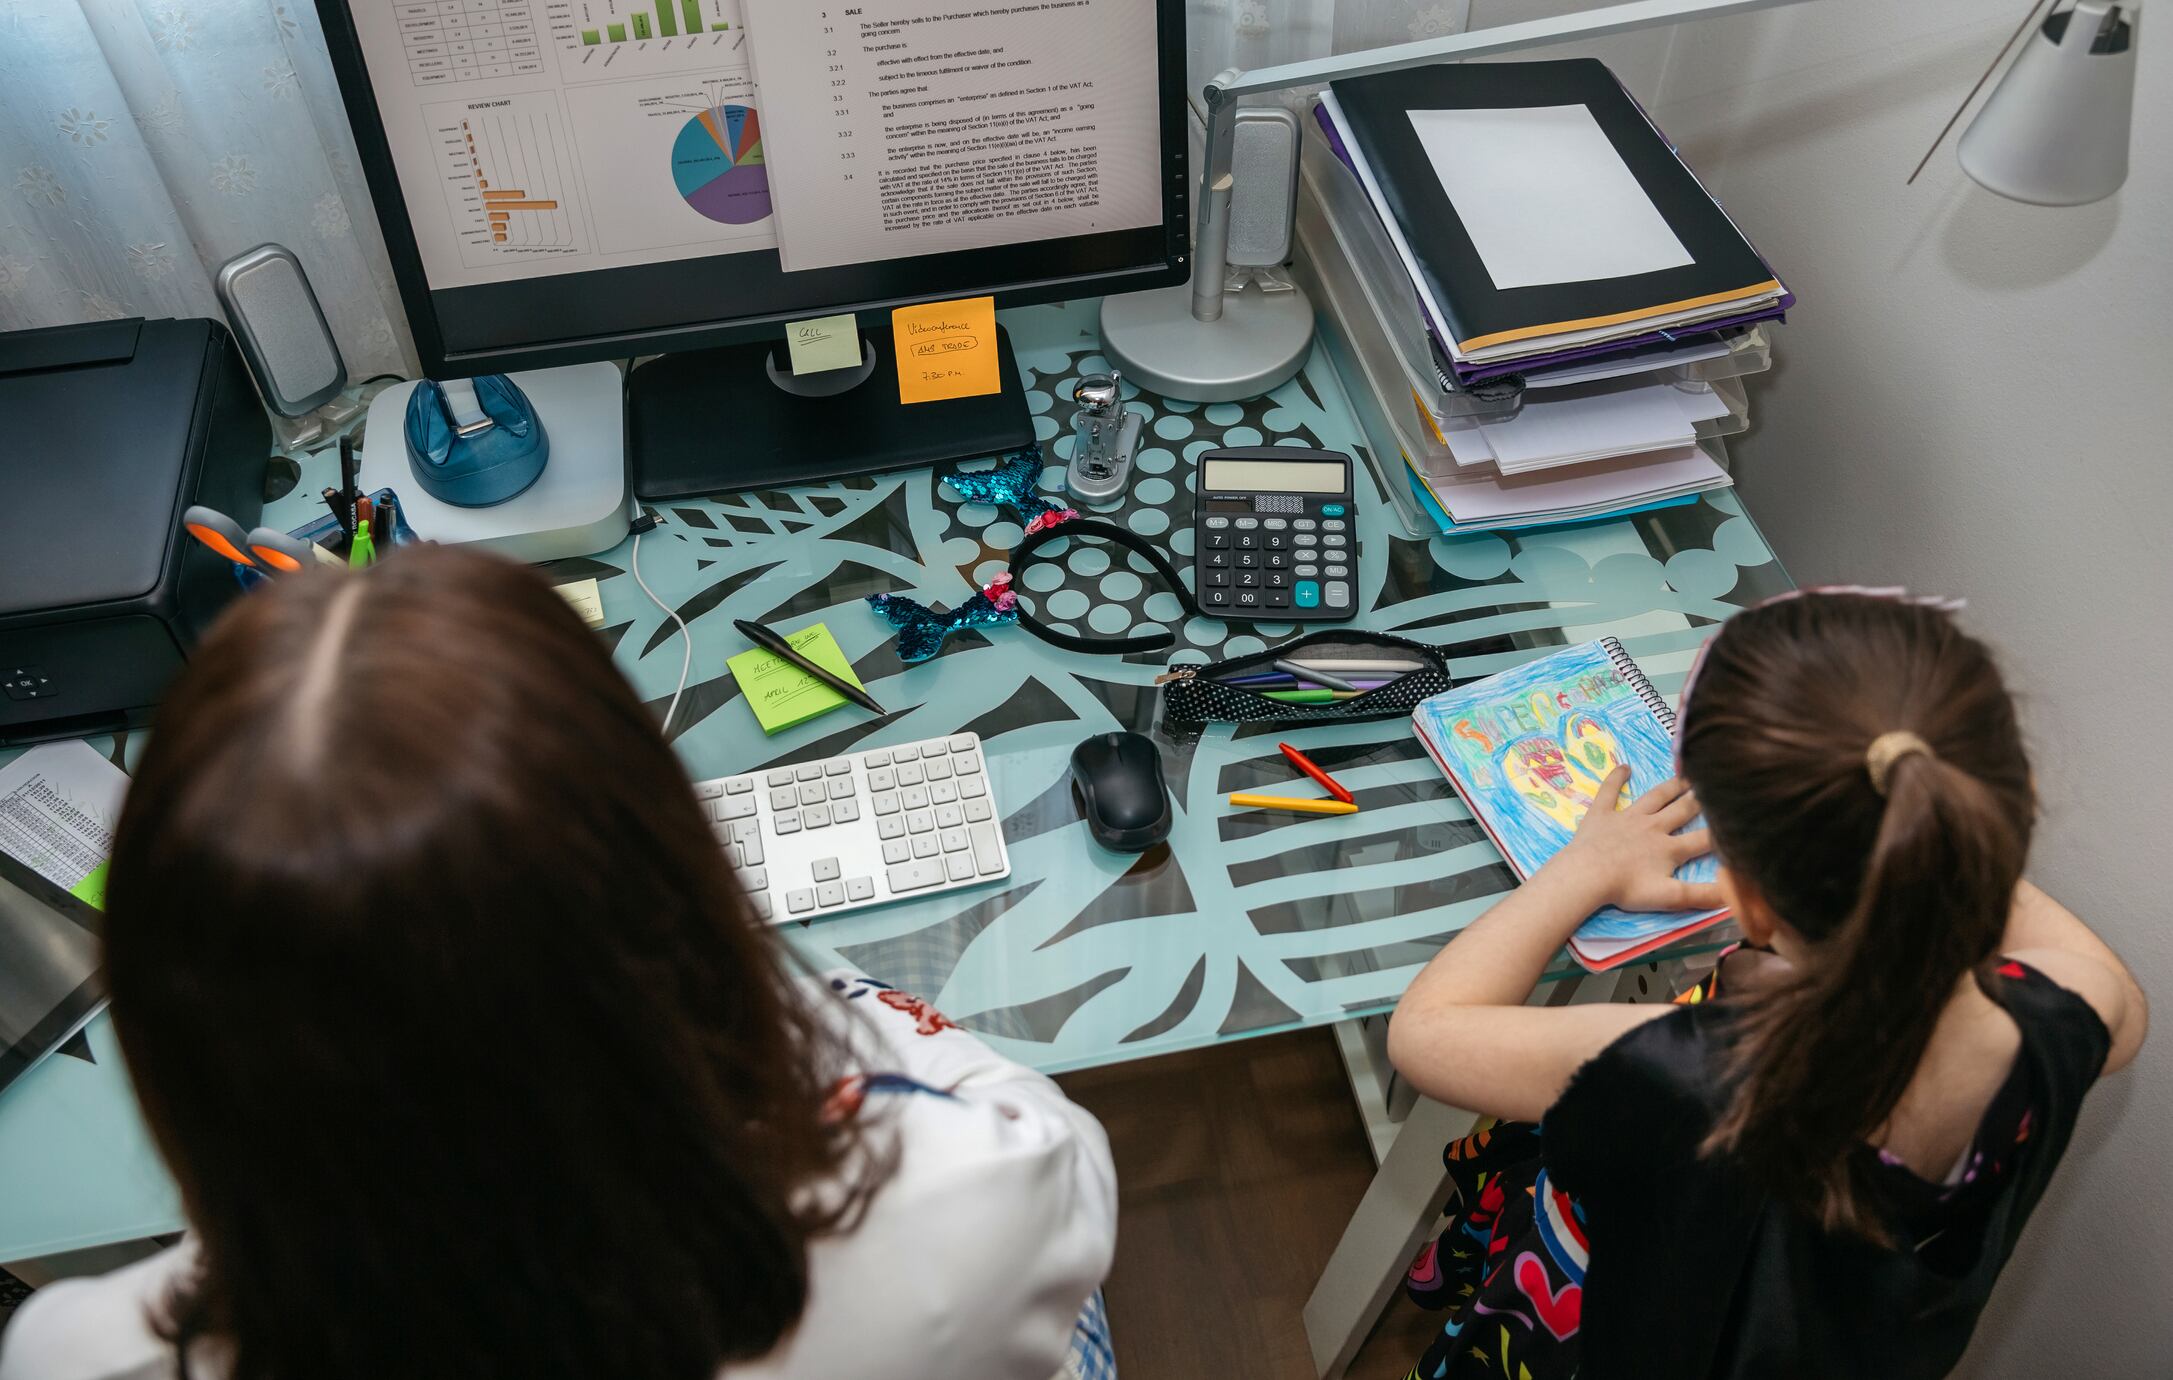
(875, 826)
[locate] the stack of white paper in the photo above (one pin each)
(1570, 426)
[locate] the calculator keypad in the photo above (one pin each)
(1294, 566)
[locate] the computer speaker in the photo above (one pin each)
(1264, 190)
(281, 330)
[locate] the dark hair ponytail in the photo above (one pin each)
(1899, 893)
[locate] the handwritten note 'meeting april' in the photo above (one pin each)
(946, 349)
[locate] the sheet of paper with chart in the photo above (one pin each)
(905, 127)
(59, 804)
(560, 136)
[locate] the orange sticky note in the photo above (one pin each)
(946, 349)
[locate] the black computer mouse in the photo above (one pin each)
(1119, 779)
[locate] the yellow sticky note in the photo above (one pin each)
(823, 344)
(946, 349)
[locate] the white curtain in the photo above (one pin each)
(145, 142)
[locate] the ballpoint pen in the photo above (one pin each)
(774, 641)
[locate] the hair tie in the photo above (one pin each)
(1886, 750)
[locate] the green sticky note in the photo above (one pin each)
(827, 342)
(92, 889)
(780, 693)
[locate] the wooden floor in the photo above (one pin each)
(1237, 1167)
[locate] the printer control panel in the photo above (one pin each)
(26, 683)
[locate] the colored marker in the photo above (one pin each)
(1303, 807)
(1307, 673)
(1310, 696)
(361, 551)
(1311, 768)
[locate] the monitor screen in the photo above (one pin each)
(578, 179)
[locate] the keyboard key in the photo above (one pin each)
(830, 894)
(884, 780)
(800, 901)
(1333, 525)
(840, 787)
(739, 785)
(1302, 524)
(949, 817)
(785, 824)
(964, 742)
(1216, 523)
(1248, 598)
(807, 771)
(755, 878)
(859, 888)
(733, 807)
(845, 812)
(1218, 541)
(987, 848)
(919, 821)
(1274, 524)
(1336, 594)
(750, 852)
(1339, 572)
(939, 769)
(886, 804)
(959, 867)
(915, 797)
(1249, 541)
(896, 850)
(968, 763)
(972, 788)
(838, 766)
(913, 876)
(1335, 543)
(1306, 572)
(1246, 524)
(785, 799)
(904, 754)
(1215, 596)
(925, 846)
(826, 869)
(1278, 599)
(816, 816)
(943, 792)
(781, 777)
(708, 790)
(872, 760)
(890, 826)
(811, 793)
(977, 810)
(952, 840)
(763, 909)
(912, 774)
(722, 831)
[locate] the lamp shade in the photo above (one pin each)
(2055, 131)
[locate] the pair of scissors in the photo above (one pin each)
(266, 550)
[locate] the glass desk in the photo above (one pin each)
(1243, 924)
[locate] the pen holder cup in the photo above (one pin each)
(1193, 695)
(325, 532)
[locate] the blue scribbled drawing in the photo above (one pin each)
(1529, 749)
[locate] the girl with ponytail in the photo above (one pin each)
(1817, 1166)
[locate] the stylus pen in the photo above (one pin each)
(1311, 768)
(1294, 803)
(341, 513)
(1317, 677)
(1349, 664)
(771, 639)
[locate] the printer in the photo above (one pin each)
(108, 431)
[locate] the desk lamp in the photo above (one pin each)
(1202, 342)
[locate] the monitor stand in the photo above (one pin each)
(715, 421)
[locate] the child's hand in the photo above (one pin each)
(1628, 859)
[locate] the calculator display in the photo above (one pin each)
(1274, 476)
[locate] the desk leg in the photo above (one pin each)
(1402, 1207)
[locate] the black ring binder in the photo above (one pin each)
(1634, 677)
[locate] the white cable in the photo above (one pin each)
(686, 639)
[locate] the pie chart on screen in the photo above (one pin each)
(717, 165)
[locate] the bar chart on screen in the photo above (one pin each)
(595, 39)
(509, 178)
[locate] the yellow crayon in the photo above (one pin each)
(1283, 802)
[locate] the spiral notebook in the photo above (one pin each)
(1528, 749)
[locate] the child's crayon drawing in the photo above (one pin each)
(1532, 746)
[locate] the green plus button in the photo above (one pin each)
(1306, 594)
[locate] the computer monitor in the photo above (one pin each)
(564, 181)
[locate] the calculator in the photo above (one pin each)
(1275, 535)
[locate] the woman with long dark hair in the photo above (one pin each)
(471, 1060)
(1819, 1168)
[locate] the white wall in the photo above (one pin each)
(1975, 397)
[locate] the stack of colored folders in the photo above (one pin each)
(1540, 313)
